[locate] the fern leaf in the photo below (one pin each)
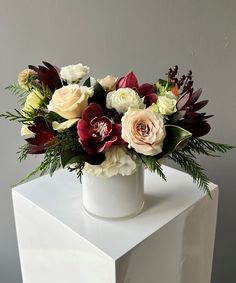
(190, 166)
(153, 165)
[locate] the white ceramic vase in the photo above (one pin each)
(115, 197)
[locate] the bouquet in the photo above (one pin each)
(112, 125)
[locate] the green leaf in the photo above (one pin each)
(174, 136)
(71, 157)
(90, 82)
(99, 95)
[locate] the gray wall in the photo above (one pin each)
(115, 37)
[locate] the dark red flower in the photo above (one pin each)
(43, 136)
(145, 90)
(96, 131)
(48, 75)
(130, 80)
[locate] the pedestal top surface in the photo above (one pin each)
(60, 197)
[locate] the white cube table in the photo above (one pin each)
(171, 241)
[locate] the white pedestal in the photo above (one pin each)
(171, 241)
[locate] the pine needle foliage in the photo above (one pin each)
(19, 92)
(24, 117)
(190, 166)
(205, 147)
(153, 165)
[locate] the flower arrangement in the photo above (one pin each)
(112, 125)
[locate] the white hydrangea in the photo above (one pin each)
(74, 73)
(117, 161)
(124, 98)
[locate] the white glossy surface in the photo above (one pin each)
(115, 197)
(171, 241)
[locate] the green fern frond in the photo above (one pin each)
(153, 165)
(24, 117)
(205, 147)
(190, 166)
(18, 91)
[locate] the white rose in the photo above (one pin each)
(124, 98)
(108, 83)
(74, 73)
(70, 101)
(167, 103)
(117, 161)
(144, 130)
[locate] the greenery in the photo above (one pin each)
(190, 166)
(24, 117)
(18, 91)
(205, 147)
(153, 164)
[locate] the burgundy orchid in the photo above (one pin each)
(96, 131)
(43, 136)
(145, 90)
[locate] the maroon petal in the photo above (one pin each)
(146, 89)
(194, 97)
(116, 131)
(107, 144)
(151, 98)
(183, 101)
(92, 111)
(43, 134)
(84, 130)
(130, 80)
(199, 105)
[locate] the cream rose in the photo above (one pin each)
(108, 83)
(167, 103)
(144, 130)
(74, 73)
(124, 98)
(117, 161)
(69, 101)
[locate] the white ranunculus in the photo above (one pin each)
(117, 161)
(124, 98)
(70, 101)
(74, 73)
(167, 103)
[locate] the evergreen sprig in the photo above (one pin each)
(78, 168)
(18, 91)
(153, 165)
(205, 147)
(190, 166)
(24, 117)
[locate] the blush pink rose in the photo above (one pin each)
(143, 130)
